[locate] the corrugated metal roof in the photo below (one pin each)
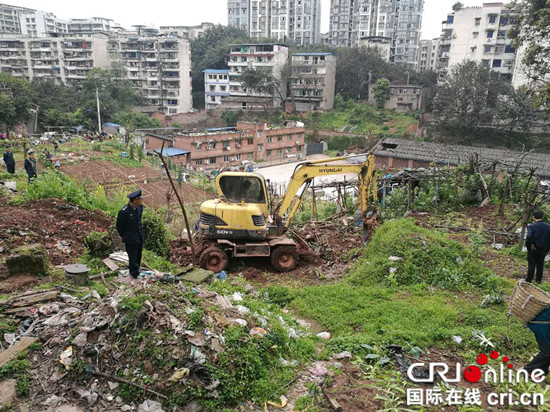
(222, 71)
(172, 151)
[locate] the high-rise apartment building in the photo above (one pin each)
(270, 56)
(158, 67)
(353, 21)
(284, 20)
(480, 34)
(9, 18)
(428, 55)
(187, 32)
(94, 24)
(38, 23)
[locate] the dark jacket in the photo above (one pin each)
(128, 225)
(538, 234)
(30, 167)
(8, 159)
(542, 330)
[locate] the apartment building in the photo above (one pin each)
(284, 20)
(403, 98)
(38, 23)
(312, 81)
(271, 56)
(159, 68)
(383, 44)
(67, 59)
(480, 34)
(428, 55)
(216, 86)
(187, 32)
(233, 146)
(94, 24)
(400, 20)
(9, 18)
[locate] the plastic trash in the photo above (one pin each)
(324, 335)
(393, 270)
(258, 332)
(240, 322)
(343, 355)
(150, 406)
(221, 275)
(179, 374)
(497, 246)
(394, 258)
(457, 339)
(237, 297)
(319, 371)
(280, 405)
(66, 357)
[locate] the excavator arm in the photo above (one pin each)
(306, 172)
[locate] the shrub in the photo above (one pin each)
(99, 244)
(155, 234)
(427, 257)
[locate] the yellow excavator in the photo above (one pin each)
(238, 223)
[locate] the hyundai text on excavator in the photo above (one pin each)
(238, 222)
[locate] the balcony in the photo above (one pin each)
(76, 76)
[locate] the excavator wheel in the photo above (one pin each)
(284, 258)
(213, 259)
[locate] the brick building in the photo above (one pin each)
(402, 97)
(398, 154)
(233, 146)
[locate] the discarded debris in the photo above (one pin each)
(324, 335)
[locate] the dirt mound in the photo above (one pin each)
(60, 226)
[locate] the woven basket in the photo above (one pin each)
(527, 301)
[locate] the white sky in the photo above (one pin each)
(192, 12)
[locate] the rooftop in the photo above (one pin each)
(446, 154)
(312, 54)
(223, 71)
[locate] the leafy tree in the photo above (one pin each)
(532, 31)
(17, 95)
(428, 80)
(132, 121)
(356, 67)
(7, 110)
(457, 6)
(468, 97)
(516, 110)
(381, 89)
(56, 102)
(263, 80)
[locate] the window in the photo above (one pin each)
(260, 147)
(212, 98)
(485, 63)
(298, 148)
(501, 34)
(279, 138)
(238, 156)
(509, 49)
(212, 160)
(487, 49)
(269, 139)
(225, 145)
(497, 63)
(223, 88)
(492, 18)
(250, 141)
(490, 34)
(288, 150)
(260, 134)
(279, 151)
(212, 88)
(199, 146)
(226, 158)
(268, 153)
(475, 34)
(198, 162)
(477, 21)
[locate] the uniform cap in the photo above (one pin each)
(135, 195)
(30, 151)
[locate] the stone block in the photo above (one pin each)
(31, 259)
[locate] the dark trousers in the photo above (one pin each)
(535, 260)
(134, 258)
(542, 360)
(11, 168)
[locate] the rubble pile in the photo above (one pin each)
(172, 343)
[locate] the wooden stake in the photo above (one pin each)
(180, 202)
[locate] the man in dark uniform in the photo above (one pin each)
(30, 166)
(128, 225)
(538, 244)
(9, 160)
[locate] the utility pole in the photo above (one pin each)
(36, 119)
(98, 111)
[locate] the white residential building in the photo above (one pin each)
(312, 81)
(352, 21)
(94, 24)
(428, 55)
(216, 86)
(159, 69)
(39, 23)
(67, 59)
(9, 18)
(284, 20)
(272, 56)
(187, 32)
(480, 34)
(383, 44)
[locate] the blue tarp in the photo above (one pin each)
(111, 125)
(172, 151)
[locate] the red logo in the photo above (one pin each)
(473, 374)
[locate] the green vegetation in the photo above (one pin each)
(156, 235)
(98, 244)
(351, 117)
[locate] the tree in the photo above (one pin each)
(532, 31)
(57, 103)
(381, 89)
(457, 6)
(468, 97)
(17, 95)
(428, 80)
(7, 110)
(516, 111)
(263, 81)
(132, 121)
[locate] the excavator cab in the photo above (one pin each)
(241, 210)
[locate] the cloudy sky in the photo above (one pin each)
(192, 12)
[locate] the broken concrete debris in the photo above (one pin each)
(29, 259)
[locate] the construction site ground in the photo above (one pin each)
(356, 386)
